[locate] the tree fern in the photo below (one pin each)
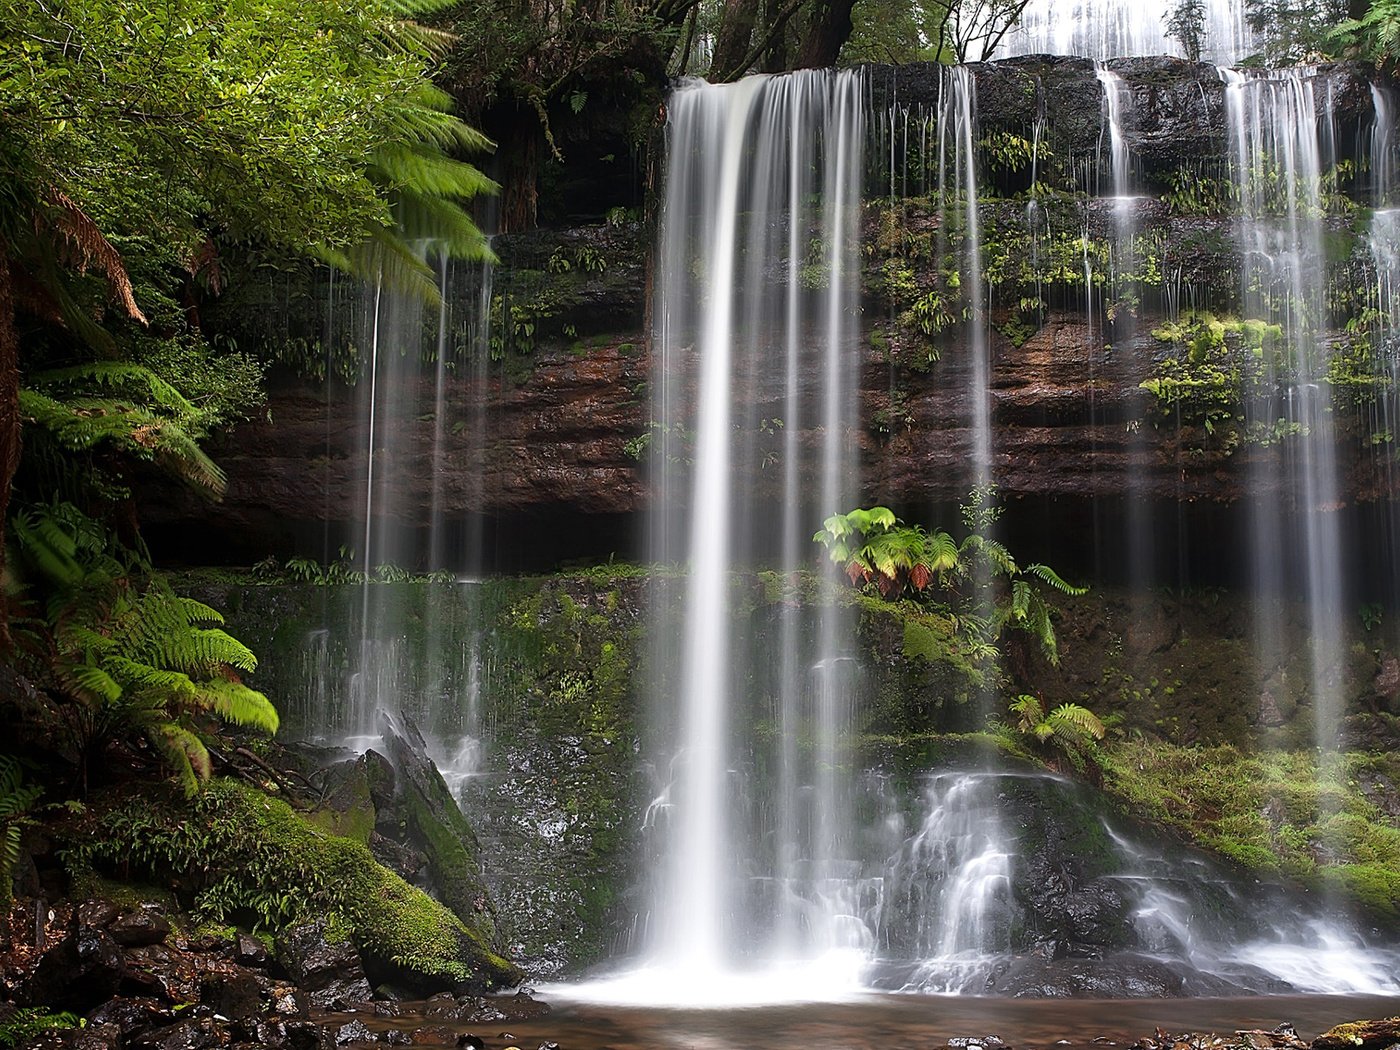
(140, 658)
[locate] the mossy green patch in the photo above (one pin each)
(1272, 812)
(234, 854)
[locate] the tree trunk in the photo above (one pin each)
(831, 28)
(519, 175)
(733, 40)
(9, 425)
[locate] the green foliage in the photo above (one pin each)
(1292, 31)
(20, 1026)
(1374, 37)
(1186, 24)
(233, 854)
(978, 579)
(16, 800)
(1193, 193)
(1275, 812)
(132, 657)
(1069, 731)
(127, 408)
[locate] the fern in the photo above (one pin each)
(16, 799)
(140, 658)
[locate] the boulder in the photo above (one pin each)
(328, 972)
(1360, 1035)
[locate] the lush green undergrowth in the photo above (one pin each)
(234, 854)
(1274, 812)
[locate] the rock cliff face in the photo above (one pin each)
(566, 413)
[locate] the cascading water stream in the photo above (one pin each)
(1282, 141)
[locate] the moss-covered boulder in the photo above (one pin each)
(235, 854)
(434, 823)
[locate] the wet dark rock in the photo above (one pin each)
(1284, 1037)
(328, 973)
(91, 1037)
(131, 1015)
(1120, 978)
(438, 827)
(386, 1009)
(467, 1010)
(262, 1031)
(235, 995)
(144, 925)
(469, 1041)
(353, 1032)
(397, 1037)
(52, 958)
(250, 951)
(548, 1046)
(164, 972)
(289, 1001)
(308, 1035)
(197, 1034)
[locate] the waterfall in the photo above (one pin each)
(755, 306)
(1118, 317)
(1282, 142)
(1101, 29)
(422, 414)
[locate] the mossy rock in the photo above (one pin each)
(436, 824)
(235, 854)
(1366, 1035)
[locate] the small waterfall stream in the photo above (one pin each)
(1282, 143)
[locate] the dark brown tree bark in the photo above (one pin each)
(10, 435)
(733, 40)
(830, 29)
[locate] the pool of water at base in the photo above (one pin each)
(916, 1022)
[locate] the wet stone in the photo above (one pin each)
(307, 1035)
(131, 1015)
(353, 1032)
(250, 951)
(262, 1031)
(145, 925)
(201, 1034)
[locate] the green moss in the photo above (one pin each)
(233, 854)
(1269, 812)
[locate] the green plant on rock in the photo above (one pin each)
(1068, 731)
(16, 800)
(22, 1025)
(129, 655)
(234, 853)
(978, 581)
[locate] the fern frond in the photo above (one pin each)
(119, 376)
(81, 245)
(1077, 719)
(384, 257)
(999, 557)
(157, 683)
(427, 170)
(90, 682)
(1020, 600)
(1050, 576)
(444, 224)
(212, 647)
(184, 752)
(941, 552)
(237, 703)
